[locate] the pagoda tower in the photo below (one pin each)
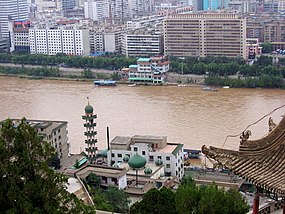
(90, 132)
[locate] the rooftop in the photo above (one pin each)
(119, 140)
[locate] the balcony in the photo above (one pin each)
(90, 125)
(90, 134)
(89, 117)
(93, 141)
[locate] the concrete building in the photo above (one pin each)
(96, 42)
(19, 33)
(113, 12)
(53, 132)
(48, 5)
(155, 149)
(12, 10)
(211, 34)
(142, 42)
(253, 49)
(67, 5)
(109, 176)
(137, 8)
(149, 70)
(112, 42)
(52, 41)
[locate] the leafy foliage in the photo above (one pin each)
(156, 201)
(190, 198)
(27, 183)
(112, 200)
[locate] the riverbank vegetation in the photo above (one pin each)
(219, 71)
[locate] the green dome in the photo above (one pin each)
(137, 162)
(148, 171)
(126, 158)
(115, 165)
(89, 109)
(158, 162)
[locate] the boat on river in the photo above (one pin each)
(207, 88)
(105, 83)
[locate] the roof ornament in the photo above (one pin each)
(244, 136)
(271, 124)
(88, 100)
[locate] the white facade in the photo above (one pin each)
(96, 42)
(97, 10)
(48, 5)
(112, 42)
(53, 132)
(140, 7)
(142, 44)
(53, 41)
(151, 148)
(12, 10)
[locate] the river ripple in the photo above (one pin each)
(187, 115)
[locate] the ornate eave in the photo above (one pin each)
(261, 162)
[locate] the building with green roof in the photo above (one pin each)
(154, 149)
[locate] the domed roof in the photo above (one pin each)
(148, 171)
(158, 162)
(126, 158)
(89, 109)
(137, 162)
(115, 165)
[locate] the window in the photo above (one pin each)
(42, 129)
(159, 157)
(167, 165)
(151, 158)
(119, 155)
(168, 158)
(135, 149)
(143, 152)
(113, 155)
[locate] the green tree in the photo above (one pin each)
(266, 47)
(156, 201)
(113, 200)
(27, 183)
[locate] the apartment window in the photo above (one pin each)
(167, 165)
(168, 158)
(42, 129)
(159, 157)
(151, 158)
(135, 149)
(119, 155)
(143, 152)
(113, 155)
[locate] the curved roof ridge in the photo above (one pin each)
(271, 140)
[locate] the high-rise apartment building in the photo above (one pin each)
(210, 34)
(67, 5)
(140, 7)
(12, 10)
(142, 42)
(19, 34)
(53, 41)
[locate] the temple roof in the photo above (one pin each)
(261, 162)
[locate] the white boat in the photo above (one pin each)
(226, 86)
(132, 85)
(207, 88)
(181, 85)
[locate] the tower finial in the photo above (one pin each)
(88, 100)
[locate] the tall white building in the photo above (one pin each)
(97, 10)
(113, 11)
(53, 41)
(142, 43)
(12, 10)
(140, 7)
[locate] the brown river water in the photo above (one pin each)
(187, 115)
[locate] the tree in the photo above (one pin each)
(156, 201)
(266, 47)
(54, 162)
(27, 183)
(113, 200)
